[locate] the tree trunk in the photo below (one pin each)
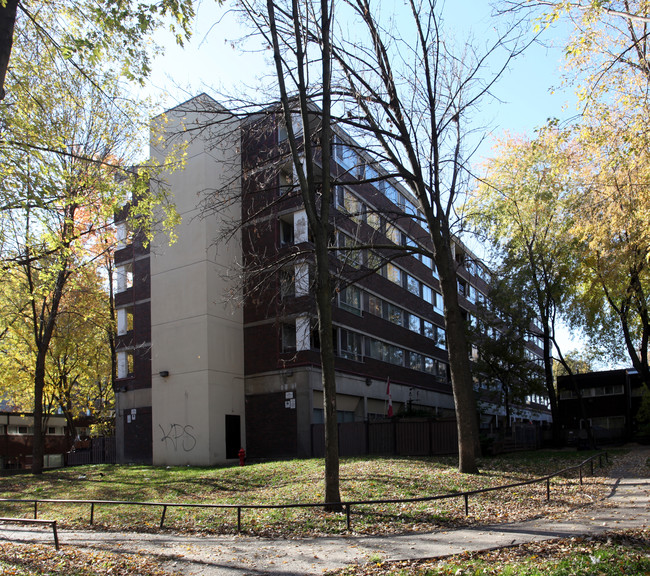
(506, 401)
(550, 386)
(458, 349)
(113, 323)
(7, 21)
(38, 448)
(44, 324)
(324, 301)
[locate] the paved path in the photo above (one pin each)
(628, 506)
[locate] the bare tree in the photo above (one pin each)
(412, 129)
(414, 99)
(303, 75)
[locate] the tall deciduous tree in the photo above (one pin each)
(501, 333)
(522, 208)
(613, 223)
(88, 31)
(66, 163)
(77, 364)
(412, 94)
(299, 35)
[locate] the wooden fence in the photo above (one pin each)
(412, 437)
(101, 451)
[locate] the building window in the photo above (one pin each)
(375, 348)
(437, 302)
(351, 345)
(125, 363)
(371, 174)
(349, 255)
(350, 299)
(288, 334)
(608, 422)
(18, 429)
(301, 279)
(395, 314)
(415, 361)
(285, 181)
(601, 390)
(375, 305)
(471, 293)
(413, 285)
(345, 155)
(373, 260)
(391, 193)
(441, 337)
(121, 234)
(427, 294)
(395, 355)
(441, 370)
(124, 320)
(124, 276)
(344, 416)
(409, 207)
(385, 352)
(415, 323)
(287, 283)
(350, 204)
(393, 234)
(286, 232)
(393, 273)
(373, 219)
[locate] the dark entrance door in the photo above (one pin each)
(233, 435)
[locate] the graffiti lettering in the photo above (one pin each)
(179, 435)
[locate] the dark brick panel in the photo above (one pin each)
(138, 437)
(271, 428)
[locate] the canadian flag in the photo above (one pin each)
(390, 399)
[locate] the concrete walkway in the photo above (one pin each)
(628, 506)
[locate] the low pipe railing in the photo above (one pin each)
(346, 505)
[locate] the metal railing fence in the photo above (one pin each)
(346, 505)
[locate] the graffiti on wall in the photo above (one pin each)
(178, 436)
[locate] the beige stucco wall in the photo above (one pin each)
(197, 332)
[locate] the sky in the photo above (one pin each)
(214, 62)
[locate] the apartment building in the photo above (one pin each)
(610, 400)
(217, 343)
(17, 440)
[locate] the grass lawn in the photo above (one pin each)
(624, 553)
(39, 560)
(302, 481)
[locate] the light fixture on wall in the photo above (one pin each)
(163, 373)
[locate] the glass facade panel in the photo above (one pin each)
(395, 314)
(350, 298)
(412, 285)
(374, 304)
(415, 361)
(351, 345)
(427, 294)
(393, 273)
